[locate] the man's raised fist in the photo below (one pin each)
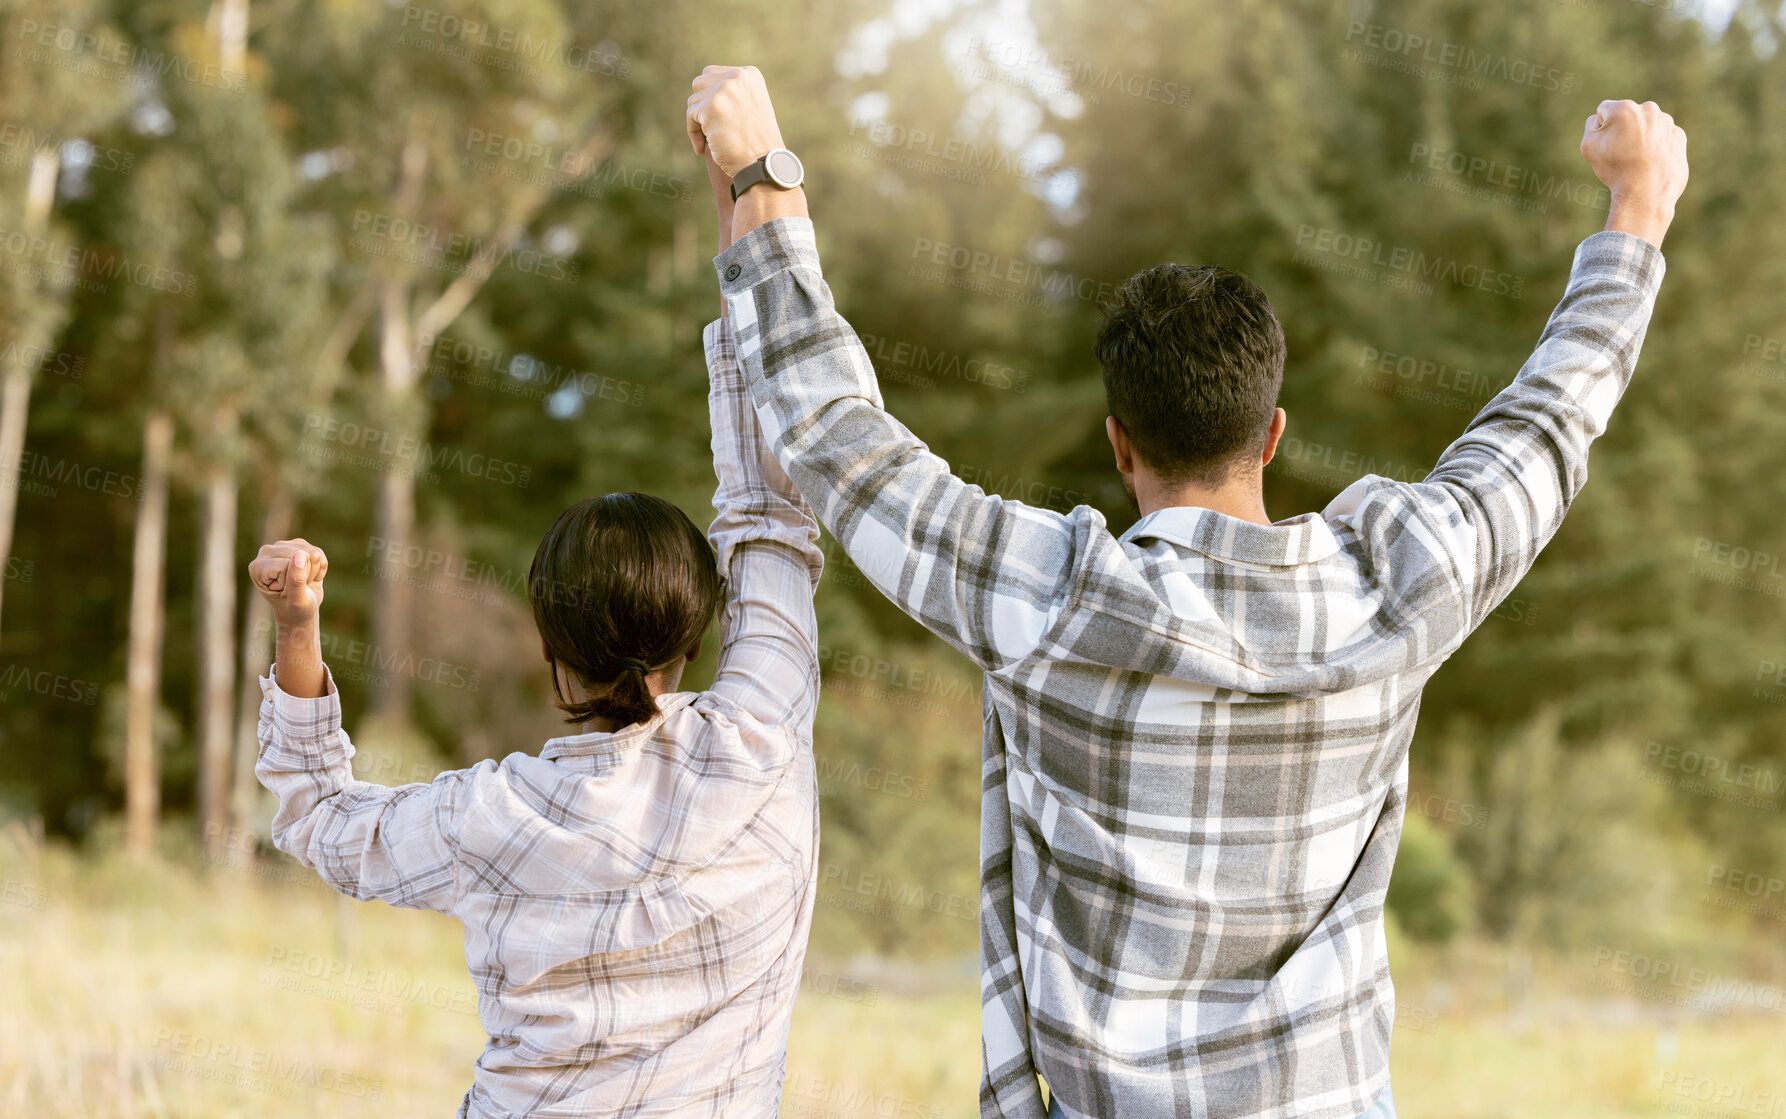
(730, 117)
(1639, 153)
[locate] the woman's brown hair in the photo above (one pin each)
(620, 586)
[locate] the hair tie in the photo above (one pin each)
(627, 664)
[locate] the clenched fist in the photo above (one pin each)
(289, 576)
(1641, 155)
(730, 117)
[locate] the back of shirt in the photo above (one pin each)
(1195, 751)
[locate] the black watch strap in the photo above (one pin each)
(756, 173)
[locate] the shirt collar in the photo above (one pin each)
(1288, 543)
(601, 741)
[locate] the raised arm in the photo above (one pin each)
(767, 542)
(368, 841)
(987, 575)
(1498, 494)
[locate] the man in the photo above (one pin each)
(1195, 759)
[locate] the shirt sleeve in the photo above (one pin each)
(767, 542)
(985, 574)
(1498, 493)
(371, 842)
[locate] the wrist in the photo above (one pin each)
(764, 203)
(304, 626)
(1640, 217)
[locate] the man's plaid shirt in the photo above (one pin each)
(1196, 734)
(636, 904)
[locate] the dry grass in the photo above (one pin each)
(172, 991)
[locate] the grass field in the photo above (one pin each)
(174, 990)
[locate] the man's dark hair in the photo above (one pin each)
(1193, 359)
(620, 586)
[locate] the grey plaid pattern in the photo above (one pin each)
(1195, 756)
(636, 905)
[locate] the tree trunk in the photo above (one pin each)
(15, 402)
(396, 513)
(142, 778)
(217, 616)
(15, 396)
(257, 658)
(404, 342)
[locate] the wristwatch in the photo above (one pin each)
(780, 167)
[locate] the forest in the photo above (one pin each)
(408, 279)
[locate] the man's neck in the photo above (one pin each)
(1242, 500)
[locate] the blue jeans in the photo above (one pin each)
(1384, 1108)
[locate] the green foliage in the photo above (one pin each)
(1430, 890)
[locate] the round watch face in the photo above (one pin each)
(784, 167)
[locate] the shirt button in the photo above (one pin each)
(733, 272)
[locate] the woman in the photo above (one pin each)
(637, 898)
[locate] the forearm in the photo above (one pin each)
(299, 659)
(764, 203)
(755, 499)
(1505, 484)
(767, 545)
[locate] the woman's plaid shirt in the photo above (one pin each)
(636, 904)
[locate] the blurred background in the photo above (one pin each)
(408, 279)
